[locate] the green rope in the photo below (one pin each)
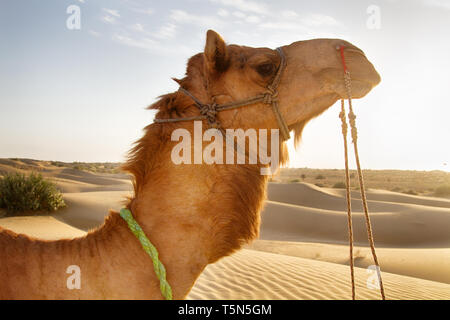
(148, 247)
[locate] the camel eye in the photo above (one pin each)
(265, 69)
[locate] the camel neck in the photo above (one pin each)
(115, 266)
(196, 214)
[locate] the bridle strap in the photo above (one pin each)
(273, 88)
(209, 111)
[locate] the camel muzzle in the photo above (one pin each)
(321, 58)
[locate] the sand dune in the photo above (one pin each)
(70, 186)
(46, 227)
(302, 252)
(259, 275)
(308, 195)
(85, 211)
(430, 263)
(69, 180)
(251, 274)
(413, 227)
(395, 197)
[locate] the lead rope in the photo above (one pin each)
(352, 120)
(349, 202)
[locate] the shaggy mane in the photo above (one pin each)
(142, 156)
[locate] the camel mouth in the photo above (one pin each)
(362, 81)
(361, 87)
(364, 77)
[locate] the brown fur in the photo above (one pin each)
(193, 214)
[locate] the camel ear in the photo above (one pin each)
(216, 52)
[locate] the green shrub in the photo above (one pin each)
(442, 191)
(411, 192)
(339, 185)
(20, 193)
(320, 177)
(303, 176)
(294, 180)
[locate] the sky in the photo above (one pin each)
(73, 92)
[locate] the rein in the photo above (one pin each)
(354, 133)
(209, 111)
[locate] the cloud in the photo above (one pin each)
(445, 4)
(245, 5)
(181, 16)
(283, 26)
(137, 27)
(305, 24)
(152, 46)
(253, 19)
(147, 11)
(108, 19)
(223, 13)
(95, 33)
(112, 12)
(239, 14)
(289, 14)
(272, 27)
(143, 43)
(317, 20)
(167, 31)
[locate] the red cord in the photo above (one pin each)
(341, 48)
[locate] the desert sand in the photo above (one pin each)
(302, 251)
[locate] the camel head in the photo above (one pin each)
(311, 82)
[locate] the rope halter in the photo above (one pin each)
(209, 111)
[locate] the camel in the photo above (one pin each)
(193, 214)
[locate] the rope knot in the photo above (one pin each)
(351, 116)
(344, 122)
(209, 111)
(271, 89)
(270, 96)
